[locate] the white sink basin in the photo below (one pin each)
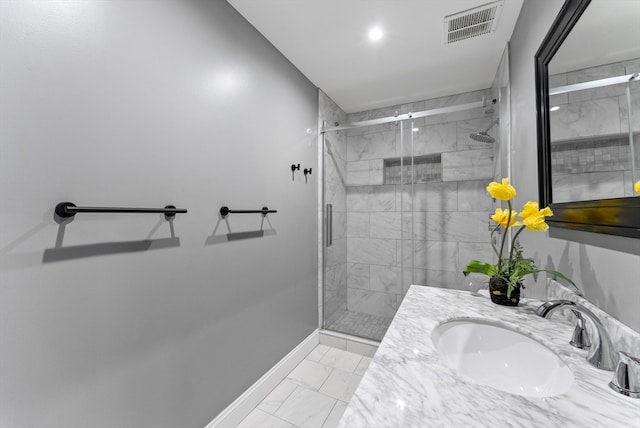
(502, 358)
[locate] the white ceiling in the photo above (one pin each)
(327, 41)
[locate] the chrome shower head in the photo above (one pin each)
(483, 136)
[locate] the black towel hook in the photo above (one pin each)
(306, 173)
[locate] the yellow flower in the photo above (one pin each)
(535, 223)
(533, 217)
(503, 192)
(531, 209)
(502, 217)
(636, 186)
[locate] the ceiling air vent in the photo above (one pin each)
(473, 22)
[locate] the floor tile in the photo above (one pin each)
(343, 360)
(317, 353)
(315, 393)
(363, 366)
(334, 417)
(310, 374)
(274, 400)
(306, 408)
(259, 419)
(341, 385)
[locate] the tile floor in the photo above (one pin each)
(314, 395)
(362, 325)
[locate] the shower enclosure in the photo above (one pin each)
(404, 202)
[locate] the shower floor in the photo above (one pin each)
(362, 325)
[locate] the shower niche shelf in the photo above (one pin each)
(423, 169)
(592, 154)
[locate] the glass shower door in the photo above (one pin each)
(334, 293)
(368, 243)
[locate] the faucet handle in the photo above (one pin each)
(626, 379)
(580, 338)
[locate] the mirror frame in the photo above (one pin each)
(617, 216)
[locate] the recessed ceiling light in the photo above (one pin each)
(554, 108)
(415, 129)
(375, 34)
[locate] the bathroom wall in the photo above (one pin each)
(606, 268)
(449, 208)
(128, 320)
(590, 157)
(335, 194)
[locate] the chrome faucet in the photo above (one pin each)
(601, 353)
(626, 379)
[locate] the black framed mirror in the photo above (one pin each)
(616, 215)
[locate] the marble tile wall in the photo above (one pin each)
(447, 219)
(335, 193)
(583, 153)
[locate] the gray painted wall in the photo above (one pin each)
(123, 320)
(606, 275)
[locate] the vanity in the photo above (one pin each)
(411, 382)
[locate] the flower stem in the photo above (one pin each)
(504, 237)
(513, 242)
(495, 229)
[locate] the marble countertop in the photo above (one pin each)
(408, 385)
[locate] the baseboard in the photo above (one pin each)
(235, 412)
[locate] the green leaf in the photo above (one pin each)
(476, 266)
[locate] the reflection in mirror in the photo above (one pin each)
(594, 83)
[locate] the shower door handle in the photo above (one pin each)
(329, 220)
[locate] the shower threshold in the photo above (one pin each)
(362, 325)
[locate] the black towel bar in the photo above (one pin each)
(225, 211)
(69, 209)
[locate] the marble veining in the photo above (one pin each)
(467, 165)
(428, 197)
(586, 119)
(430, 139)
(624, 113)
(459, 226)
(408, 385)
(589, 185)
(372, 302)
(596, 73)
(386, 279)
(472, 196)
(358, 275)
(445, 279)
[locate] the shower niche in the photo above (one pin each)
(417, 169)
